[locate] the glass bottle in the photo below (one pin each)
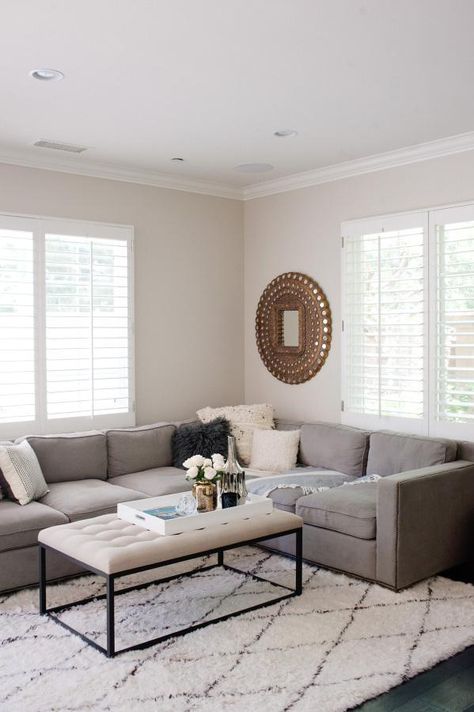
(233, 479)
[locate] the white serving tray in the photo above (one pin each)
(134, 512)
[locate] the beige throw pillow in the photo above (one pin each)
(244, 421)
(20, 473)
(275, 450)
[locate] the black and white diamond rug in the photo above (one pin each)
(342, 642)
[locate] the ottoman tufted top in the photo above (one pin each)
(112, 545)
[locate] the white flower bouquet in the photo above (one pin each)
(204, 469)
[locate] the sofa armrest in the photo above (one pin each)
(425, 522)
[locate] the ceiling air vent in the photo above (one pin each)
(69, 147)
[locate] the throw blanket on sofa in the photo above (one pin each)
(309, 482)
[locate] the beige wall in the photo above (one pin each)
(188, 281)
(189, 271)
(300, 230)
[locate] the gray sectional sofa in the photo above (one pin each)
(88, 474)
(416, 521)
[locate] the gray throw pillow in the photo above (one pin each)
(204, 439)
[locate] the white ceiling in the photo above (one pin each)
(211, 80)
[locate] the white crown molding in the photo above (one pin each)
(378, 162)
(99, 170)
(338, 171)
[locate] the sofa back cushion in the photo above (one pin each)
(142, 448)
(335, 447)
(288, 424)
(390, 452)
(466, 450)
(71, 456)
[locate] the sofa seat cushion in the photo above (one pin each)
(348, 509)
(286, 489)
(155, 482)
(285, 498)
(87, 498)
(19, 525)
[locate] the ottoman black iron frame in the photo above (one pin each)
(110, 594)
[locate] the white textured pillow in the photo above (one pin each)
(244, 420)
(275, 450)
(21, 475)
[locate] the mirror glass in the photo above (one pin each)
(291, 327)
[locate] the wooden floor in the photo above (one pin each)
(448, 687)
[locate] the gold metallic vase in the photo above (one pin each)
(205, 495)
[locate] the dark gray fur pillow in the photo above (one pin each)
(204, 439)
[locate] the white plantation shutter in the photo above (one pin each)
(87, 318)
(66, 326)
(385, 334)
(17, 334)
(453, 322)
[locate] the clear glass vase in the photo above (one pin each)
(233, 479)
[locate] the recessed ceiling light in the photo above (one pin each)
(285, 133)
(177, 159)
(47, 75)
(254, 168)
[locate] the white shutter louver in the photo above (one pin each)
(66, 326)
(17, 322)
(384, 326)
(87, 320)
(454, 326)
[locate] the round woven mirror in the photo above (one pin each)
(293, 327)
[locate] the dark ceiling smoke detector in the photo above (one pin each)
(285, 133)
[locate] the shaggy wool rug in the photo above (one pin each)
(342, 642)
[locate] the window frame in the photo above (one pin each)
(443, 216)
(382, 224)
(39, 226)
(430, 217)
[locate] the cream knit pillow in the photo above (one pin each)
(274, 450)
(244, 420)
(20, 473)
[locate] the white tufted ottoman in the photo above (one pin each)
(111, 547)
